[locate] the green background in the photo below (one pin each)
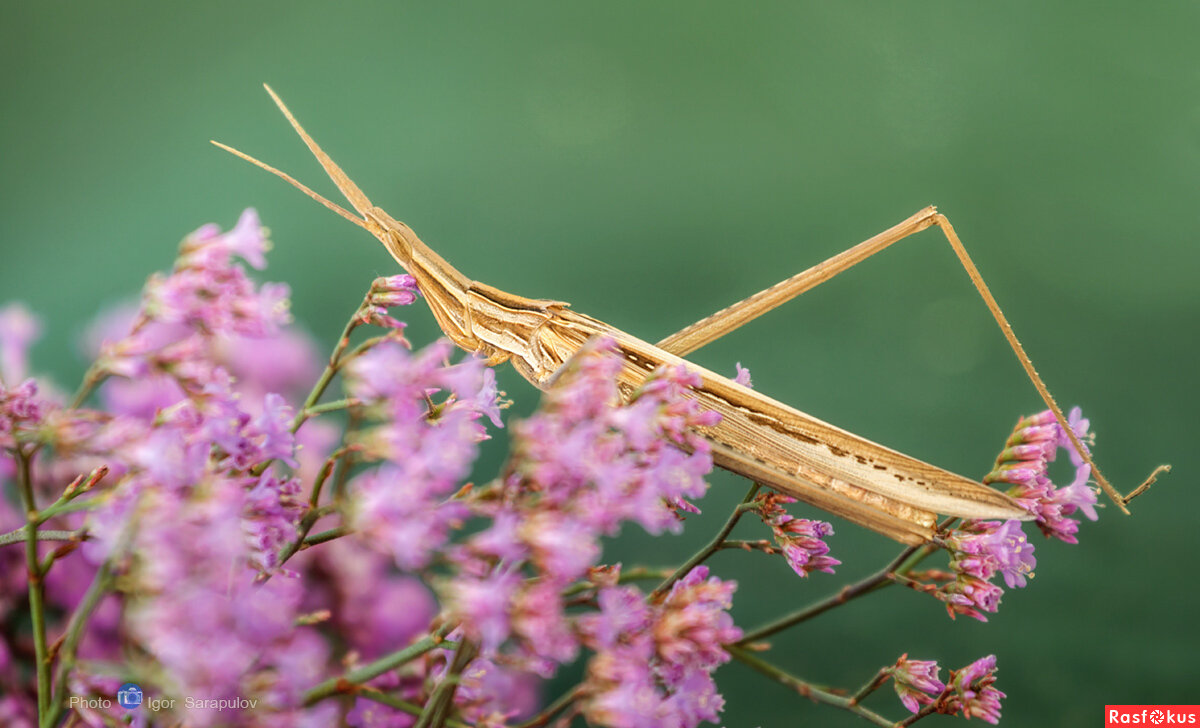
(651, 164)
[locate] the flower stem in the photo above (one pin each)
(804, 688)
(437, 708)
(19, 536)
(92, 377)
(334, 406)
(553, 709)
(878, 580)
(331, 369)
(347, 682)
(392, 701)
(871, 686)
(324, 536)
(74, 633)
(37, 606)
(713, 545)
(635, 573)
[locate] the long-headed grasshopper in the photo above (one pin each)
(758, 437)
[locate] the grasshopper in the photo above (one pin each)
(758, 437)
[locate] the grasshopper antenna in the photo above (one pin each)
(295, 183)
(350, 190)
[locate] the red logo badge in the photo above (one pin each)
(1164, 715)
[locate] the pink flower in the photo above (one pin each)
(653, 664)
(916, 682)
(18, 330)
(483, 605)
(1023, 464)
(800, 539)
(974, 695)
(983, 548)
(743, 376)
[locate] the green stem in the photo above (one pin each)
(553, 709)
(437, 708)
(307, 521)
(346, 683)
(324, 536)
(334, 406)
(712, 546)
(37, 606)
(806, 689)
(636, 573)
(392, 701)
(364, 347)
(758, 545)
(331, 369)
(871, 685)
(19, 535)
(315, 513)
(62, 506)
(92, 377)
(74, 633)
(846, 594)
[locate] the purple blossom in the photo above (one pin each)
(199, 614)
(272, 509)
(983, 548)
(971, 596)
(248, 239)
(561, 550)
(490, 695)
(653, 664)
(483, 605)
(743, 376)
(799, 538)
(605, 464)
(1023, 464)
(375, 609)
(693, 624)
(21, 409)
(974, 695)
(539, 619)
(18, 330)
(395, 509)
(916, 682)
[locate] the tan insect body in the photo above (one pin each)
(758, 437)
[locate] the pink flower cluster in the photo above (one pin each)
(970, 691)
(800, 539)
(982, 549)
(1034, 444)
(654, 661)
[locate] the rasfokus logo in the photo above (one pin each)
(1118, 715)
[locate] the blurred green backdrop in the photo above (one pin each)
(651, 164)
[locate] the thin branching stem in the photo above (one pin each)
(74, 634)
(392, 701)
(334, 406)
(331, 370)
(19, 535)
(846, 594)
(437, 708)
(37, 606)
(91, 379)
(560, 704)
(871, 685)
(635, 573)
(806, 689)
(713, 546)
(325, 536)
(348, 682)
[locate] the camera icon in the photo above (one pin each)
(129, 696)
